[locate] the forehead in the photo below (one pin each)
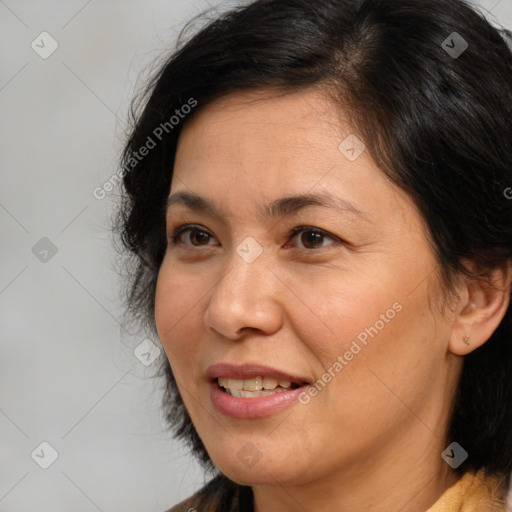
(253, 147)
(263, 133)
(268, 117)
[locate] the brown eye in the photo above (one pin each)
(311, 238)
(197, 236)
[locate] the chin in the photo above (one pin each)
(253, 476)
(258, 471)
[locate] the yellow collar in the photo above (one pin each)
(474, 492)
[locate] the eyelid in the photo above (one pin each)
(301, 229)
(179, 230)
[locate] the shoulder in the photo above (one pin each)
(474, 492)
(205, 500)
(219, 494)
(192, 503)
(184, 506)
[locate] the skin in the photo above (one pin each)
(372, 438)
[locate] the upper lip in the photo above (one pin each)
(250, 371)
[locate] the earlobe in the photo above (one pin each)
(461, 343)
(482, 307)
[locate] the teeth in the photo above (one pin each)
(253, 384)
(259, 386)
(234, 384)
(269, 383)
(254, 394)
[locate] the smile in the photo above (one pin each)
(254, 388)
(252, 391)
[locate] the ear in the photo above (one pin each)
(481, 307)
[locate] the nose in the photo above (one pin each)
(245, 298)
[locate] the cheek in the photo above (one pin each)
(177, 306)
(342, 307)
(363, 330)
(389, 350)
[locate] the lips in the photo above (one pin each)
(252, 391)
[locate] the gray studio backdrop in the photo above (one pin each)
(80, 421)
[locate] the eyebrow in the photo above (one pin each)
(281, 207)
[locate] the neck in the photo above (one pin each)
(408, 479)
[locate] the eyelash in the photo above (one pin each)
(179, 230)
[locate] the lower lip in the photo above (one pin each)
(247, 408)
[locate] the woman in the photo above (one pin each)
(316, 201)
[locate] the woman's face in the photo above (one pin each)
(350, 303)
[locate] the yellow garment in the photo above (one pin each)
(474, 492)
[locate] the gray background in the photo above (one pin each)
(68, 376)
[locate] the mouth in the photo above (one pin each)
(255, 387)
(252, 391)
